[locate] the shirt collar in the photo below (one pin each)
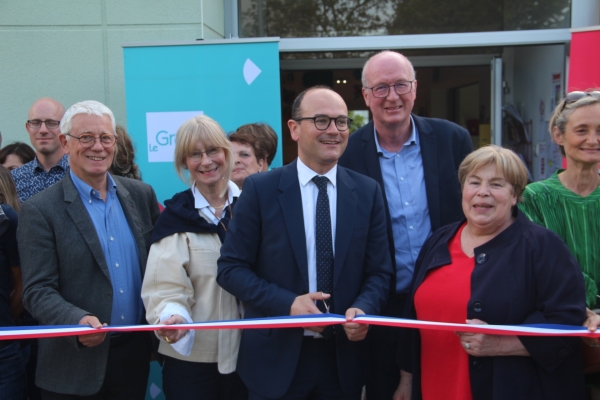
(306, 174)
(412, 140)
(86, 191)
(200, 201)
(62, 163)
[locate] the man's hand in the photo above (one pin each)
(354, 331)
(172, 335)
(305, 304)
(96, 338)
(404, 390)
(592, 322)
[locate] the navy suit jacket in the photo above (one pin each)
(264, 264)
(443, 144)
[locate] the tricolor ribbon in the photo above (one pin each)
(33, 332)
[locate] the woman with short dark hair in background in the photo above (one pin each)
(16, 155)
(248, 154)
(495, 267)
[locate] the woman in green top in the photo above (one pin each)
(568, 202)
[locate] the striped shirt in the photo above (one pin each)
(575, 219)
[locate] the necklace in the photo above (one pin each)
(221, 222)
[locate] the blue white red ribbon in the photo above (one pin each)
(32, 332)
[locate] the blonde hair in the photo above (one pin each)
(506, 161)
(206, 130)
(8, 191)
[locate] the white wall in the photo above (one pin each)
(71, 50)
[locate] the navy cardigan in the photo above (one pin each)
(525, 275)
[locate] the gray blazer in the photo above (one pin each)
(65, 276)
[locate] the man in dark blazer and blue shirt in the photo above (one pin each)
(83, 244)
(415, 160)
(272, 260)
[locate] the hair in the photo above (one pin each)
(506, 161)
(297, 105)
(123, 163)
(206, 130)
(8, 191)
(20, 149)
(561, 114)
(390, 52)
(89, 107)
(261, 137)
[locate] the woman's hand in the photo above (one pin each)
(482, 345)
(592, 322)
(172, 335)
(404, 390)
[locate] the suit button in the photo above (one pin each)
(109, 295)
(477, 364)
(481, 258)
(478, 306)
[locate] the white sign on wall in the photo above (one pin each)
(161, 128)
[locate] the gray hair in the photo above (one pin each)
(561, 114)
(363, 77)
(89, 107)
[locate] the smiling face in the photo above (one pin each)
(581, 140)
(320, 150)
(207, 172)
(393, 111)
(89, 164)
(45, 140)
(487, 200)
(245, 163)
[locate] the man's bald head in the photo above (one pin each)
(382, 57)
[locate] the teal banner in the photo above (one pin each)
(235, 82)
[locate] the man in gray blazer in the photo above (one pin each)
(84, 243)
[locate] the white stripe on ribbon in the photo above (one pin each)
(10, 333)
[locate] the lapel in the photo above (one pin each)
(290, 201)
(429, 155)
(83, 222)
(346, 211)
(370, 154)
(133, 219)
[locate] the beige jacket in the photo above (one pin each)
(181, 273)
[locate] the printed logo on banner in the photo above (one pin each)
(161, 130)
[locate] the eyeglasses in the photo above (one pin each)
(37, 123)
(322, 122)
(575, 96)
(213, 152)
(87, 140)
(401, 87)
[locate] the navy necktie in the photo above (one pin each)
(324, 247)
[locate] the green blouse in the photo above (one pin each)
(575, 219)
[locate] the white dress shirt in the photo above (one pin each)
(309, 192)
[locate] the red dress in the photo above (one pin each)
(443, 297)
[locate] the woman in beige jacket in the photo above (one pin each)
(180, 281)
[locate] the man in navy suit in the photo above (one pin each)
(415, 160)
(272, 260)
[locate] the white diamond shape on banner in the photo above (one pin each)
(251, 71)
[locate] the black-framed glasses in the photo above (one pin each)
(401, 87)
(37, 123)
(211, 153)
(322, 122)
(575, 96)
(87, 140)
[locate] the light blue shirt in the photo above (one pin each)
(119, 248)
(404, 183)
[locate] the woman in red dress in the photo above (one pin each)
(495, 267)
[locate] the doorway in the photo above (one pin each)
(461, 94)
